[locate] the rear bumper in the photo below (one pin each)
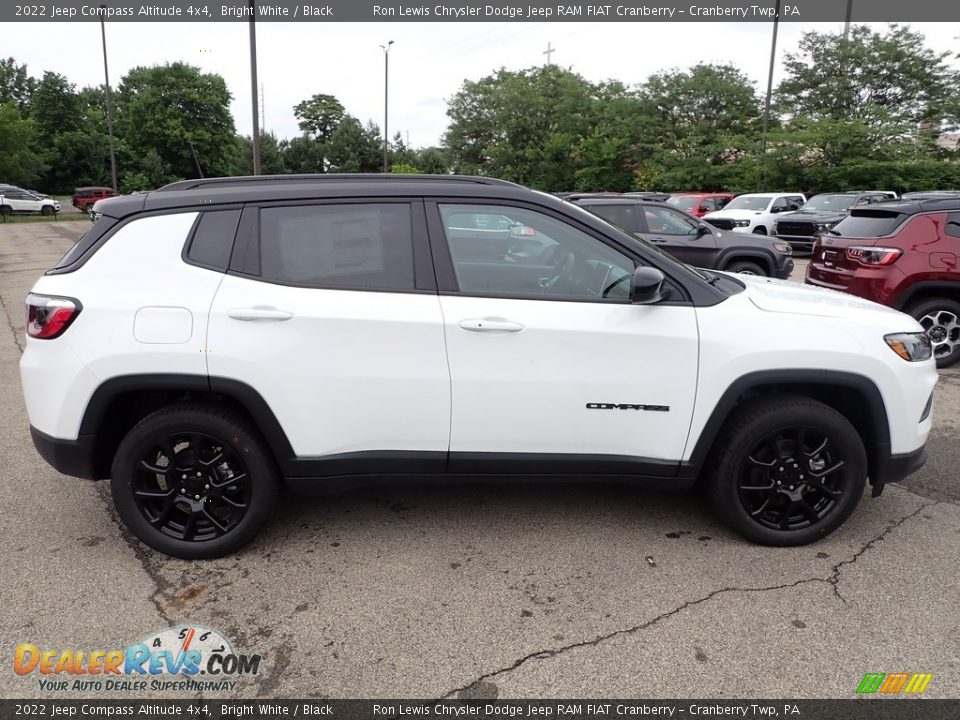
(70, 457)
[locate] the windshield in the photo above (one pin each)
(687, 202)
(830, 202)
(748, 202)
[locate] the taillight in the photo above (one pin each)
(873, 255)
(49, 317)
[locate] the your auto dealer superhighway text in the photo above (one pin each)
(626, 11)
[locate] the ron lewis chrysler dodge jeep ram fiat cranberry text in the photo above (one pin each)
(206, 342)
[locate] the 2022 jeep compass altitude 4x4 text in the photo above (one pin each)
(208, 341)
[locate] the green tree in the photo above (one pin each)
(16, 85)
(303, 154)
(707, 114)
(19, 165)
(532, 127)
(166, 108)
(432, 160)
(888, 81)
(271, 155)
(320, 115)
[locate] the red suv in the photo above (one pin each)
(699, 204)
(902, 254)
(85, 197)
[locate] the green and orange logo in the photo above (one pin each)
(894, 683)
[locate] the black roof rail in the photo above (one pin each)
(327, 177)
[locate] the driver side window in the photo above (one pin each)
(516, 252)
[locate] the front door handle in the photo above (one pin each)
(490, 324)
(259, 313)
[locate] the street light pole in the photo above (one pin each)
(766, 109)
(106, 79)
(846, 25)
(253, 89)
(386, 95)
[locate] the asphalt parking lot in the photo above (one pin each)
(506, 591)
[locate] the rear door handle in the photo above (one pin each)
(259, 313)
(490, 325)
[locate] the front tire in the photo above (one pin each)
(940, 318)
(759, 230)
(787, 471)
(745, 267)
(193, 481)
(46, 210)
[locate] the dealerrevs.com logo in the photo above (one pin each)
(191, 658)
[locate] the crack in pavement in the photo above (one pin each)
(832, 580)
(161, 587)
(13, 330)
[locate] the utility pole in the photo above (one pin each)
(766, 110)
(386, 95)
(846, 25)
(106, 79)
(253, 88)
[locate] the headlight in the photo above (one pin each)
(912, 347)
(741, 223)
(823, 227)
(783, 247)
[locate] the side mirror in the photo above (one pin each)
(647, 286)
(703, 229)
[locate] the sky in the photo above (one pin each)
(428, 61)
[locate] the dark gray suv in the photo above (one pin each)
(691, 240)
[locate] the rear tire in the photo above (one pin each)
(193, 481)
(745, 267)
(940, 318)
(787, 471)
(6, 210)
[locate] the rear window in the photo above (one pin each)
(868, 224)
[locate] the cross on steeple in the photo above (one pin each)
(548, 52)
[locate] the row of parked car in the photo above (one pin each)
(901, 252)
(16, 200)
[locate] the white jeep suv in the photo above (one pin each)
(755, 212)
(208, 341)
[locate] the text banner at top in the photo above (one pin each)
(479, 11)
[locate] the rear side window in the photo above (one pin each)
(353, 246)
(868, 224)
(623, 216)
(100, 228)
(212, 240)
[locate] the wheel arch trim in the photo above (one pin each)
(879, 426)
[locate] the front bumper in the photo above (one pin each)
(70, 457)
(804, 243)
(889, 468)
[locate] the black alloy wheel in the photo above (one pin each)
(192, 487)
(792, 479)
(194, 481)
(787, 470)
